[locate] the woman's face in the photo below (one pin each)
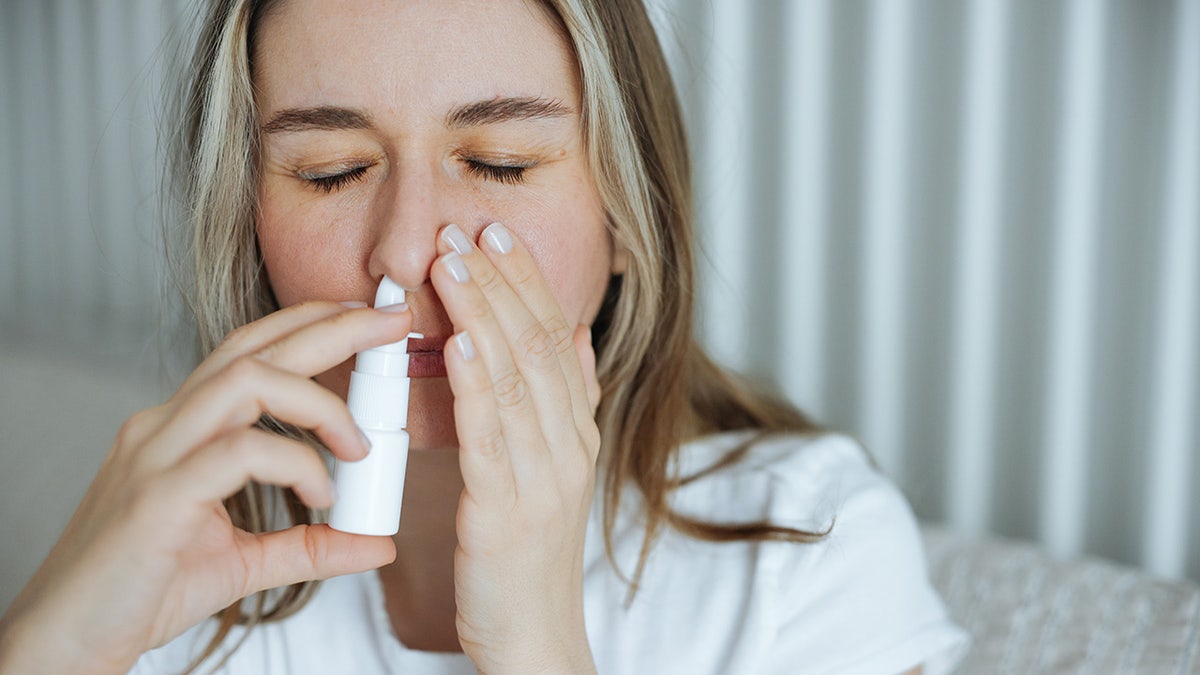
(385, 120)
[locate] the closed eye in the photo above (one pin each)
(501, 173)
(508, 174)
(336, 181)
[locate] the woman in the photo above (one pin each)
(587, 491)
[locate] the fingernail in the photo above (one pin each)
(498, 238)
(366, 441)
(458, 241)
(465, 346)
(457, 268)
(353, 304)
(394, 309)
(332, 491)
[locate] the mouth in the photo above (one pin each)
(425, 357)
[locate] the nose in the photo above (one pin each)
(409, 210)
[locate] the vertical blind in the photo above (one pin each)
(967, 232)
(80, 92)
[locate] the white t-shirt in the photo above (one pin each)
(859, 601)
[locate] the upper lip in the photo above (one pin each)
(429, 343)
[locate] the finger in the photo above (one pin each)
(528, 288)
(587, 365)
(243, 392)
(511, 394)
(535, 347)
(222, 467)
(315, 346)
(307, 552)
(484, 460)
(253, 336)
(138, 427)
(321, 345)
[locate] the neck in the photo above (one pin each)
(419, 585)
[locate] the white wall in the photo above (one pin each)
(59, 413)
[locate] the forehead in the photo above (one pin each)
(413, 56)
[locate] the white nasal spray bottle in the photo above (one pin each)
(370, 491)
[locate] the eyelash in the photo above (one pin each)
(508, 175)
(338, 180)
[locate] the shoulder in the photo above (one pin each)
(804, 481)
(857, 600)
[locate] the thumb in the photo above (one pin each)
(307, 552)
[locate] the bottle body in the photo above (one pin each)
(371, 490)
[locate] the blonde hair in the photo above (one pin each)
(659, 388)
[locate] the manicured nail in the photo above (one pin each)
(458, 241)
(394, 309)
(498, 238)
(353, 304)
(457, 268)
(465, 346)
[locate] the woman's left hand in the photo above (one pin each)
(525, 395)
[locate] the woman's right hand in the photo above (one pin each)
(151, 550)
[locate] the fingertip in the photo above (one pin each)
(443, 246)
(363, 551)
(498, 239)
(466, 348)
(389, 546)
(398, 321)
(401, 313)
(458, 353)
(349, 446)
(315, 494)
(583, 344)
(364, 446)
(583, 336)
(466, 373)
(587, 364)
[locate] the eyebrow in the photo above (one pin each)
(321, 117)
(475, 114)
(505, 110)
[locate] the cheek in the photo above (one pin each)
(308, 253)
(572, 250)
